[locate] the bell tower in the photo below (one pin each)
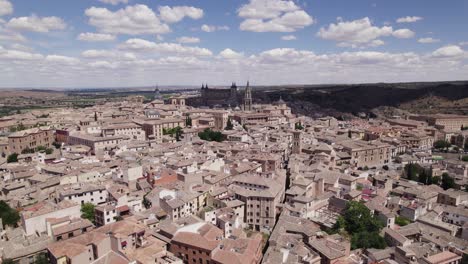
(297, 142)
(248, 98)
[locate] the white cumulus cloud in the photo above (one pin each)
(354, 33)
(450, 51)
(107, 54)
(62, 59)
(403, 33)
(289, 37)
(273, 16)
(409, 19)
(230, 54)
(95, 37)
(36, 24)
(6, 8)
(188, 40)
(163, 48)
(177, 13)
(213, 28)
(428, 40)
(131, 20)
(17, 55)
(114, 2)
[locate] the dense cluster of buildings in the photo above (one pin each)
(265, 193)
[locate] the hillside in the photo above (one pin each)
(417, 97)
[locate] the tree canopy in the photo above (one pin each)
(87, 211)
(298, 126)
(173, 132)
(402, 221)
(9, 216)
(41, 259)
(448, 182)
(188, 121)
(210, 135)
(442, 144)
(363, 227)
(12, 158)
(229, 125)
(414, 172)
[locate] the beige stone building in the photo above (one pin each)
(30, 138)
(365, 153)
(130, 130)
(95, 143)
(449, 123)
(261, 197)
(154, 128)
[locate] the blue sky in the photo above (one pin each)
(102, 43)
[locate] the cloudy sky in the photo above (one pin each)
(119, 43)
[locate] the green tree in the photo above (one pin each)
(12, 158)
(8, 261)
(229, 125)
(27, 151)
(367, 240)
(465, 158)
(441, 144)
(19, 127)
(363, 227)
(49, 151)
(173, 132)
(87, 211)
(436, 180)
(57, 145)
(178, 133)
(40, 148)
(298, 126)
(210, 135)
(447, 182)
(358, 218)
(425, 178)
(42, 259)
(402, 221)
(412, 171)
(9, 216)
(188, 121)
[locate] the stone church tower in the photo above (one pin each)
(157, 94)
(297, 142)
(248, 98)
